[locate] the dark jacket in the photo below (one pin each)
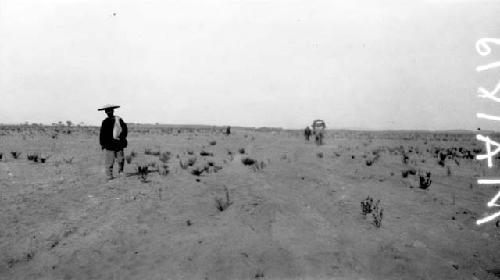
(106, 135)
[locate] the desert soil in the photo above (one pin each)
(296, 214)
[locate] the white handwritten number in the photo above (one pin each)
(489, 155)
(483, 93)
(482, 45)
(492, 216)
(484, 49)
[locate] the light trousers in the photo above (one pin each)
(109, 160)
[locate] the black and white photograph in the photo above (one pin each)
(250, 139)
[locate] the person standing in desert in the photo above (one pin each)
(307, 133)
(113, 139)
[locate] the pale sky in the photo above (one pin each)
(392, 64)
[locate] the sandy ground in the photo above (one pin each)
(296, 217)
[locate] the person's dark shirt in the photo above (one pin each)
(106, 135)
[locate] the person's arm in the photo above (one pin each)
(101, 136)
(124, 129)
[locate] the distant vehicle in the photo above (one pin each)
(319, 127)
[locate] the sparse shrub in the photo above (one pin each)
(248, 161)
(68, 160)
(442, 159)
(183, 165)
(152, 152)
(197, 171)
(190, 152)
(165, 157)
(404, 173)
(377, 213)
(404, 157)
(368, 162)
(448, 171)
(153, 165)
(221, 203)
(133, 154)
(212, 143)
(15, 154)
(128, 159)
(254, 164)
(44, 158)
(143, 171)
(241, 150)
(164, 169)
(425, 181)
(32, 157)
(353, 156)
(319, 154)
(368, 207)
(205, 153)
(191, 161)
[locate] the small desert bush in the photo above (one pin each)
(205, 154)
(241, 150)
(142, 171)
(128, 159)
(152, 152)
(32, 157)
(165, 157)
(190, 152)
(248, 161)
(404, 157)
(442, 159)
(425, 180)
(43, 158)
(191, 161)
(254, 164)
(15, 154)
(221, 203)
(164, 169)
(212, 143)
(183, 165)
(319, 154)
(197, 171)
(369, 207)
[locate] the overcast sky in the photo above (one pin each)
(394, 64)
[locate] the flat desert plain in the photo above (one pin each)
(256, 204)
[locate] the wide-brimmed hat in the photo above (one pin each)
(108, 107)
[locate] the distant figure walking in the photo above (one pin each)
(307, 133)
(228, 130)
(113, 139)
